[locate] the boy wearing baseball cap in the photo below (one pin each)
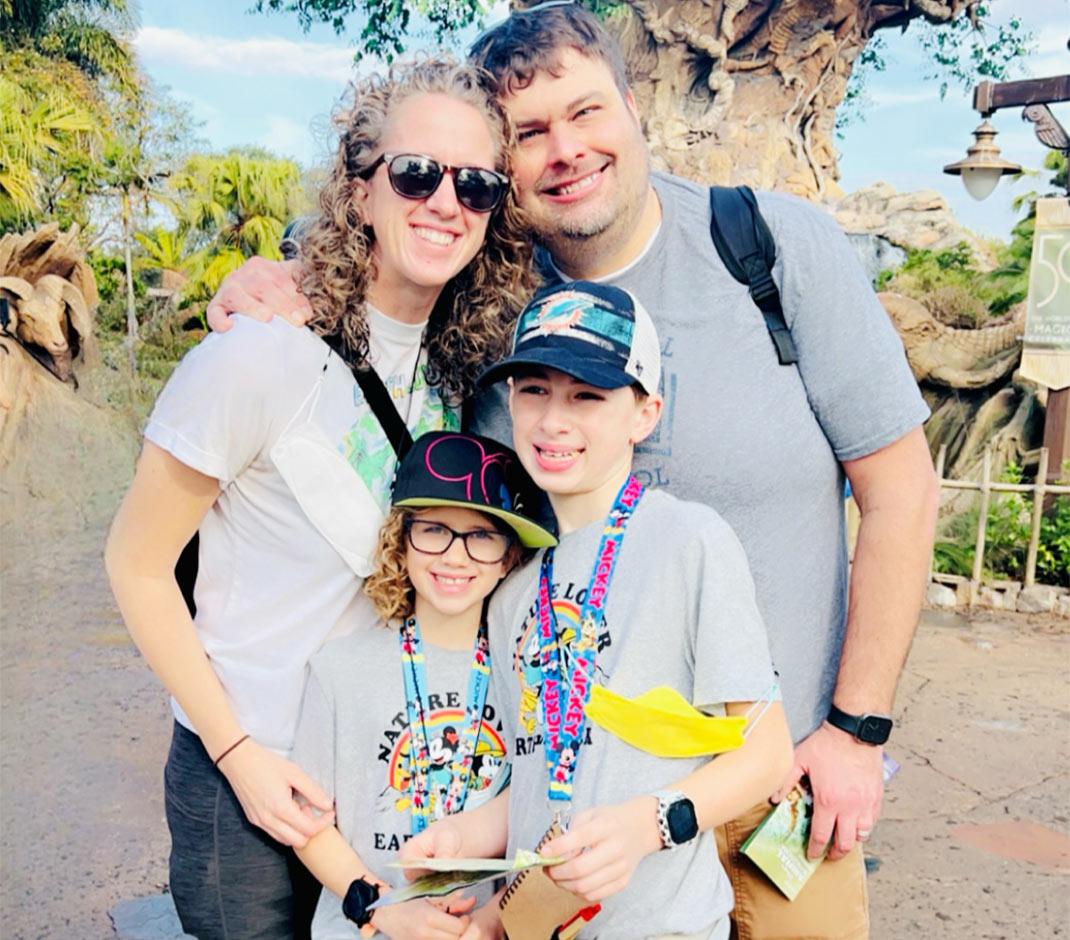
(612, 649)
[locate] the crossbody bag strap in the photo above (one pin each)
(380, 402)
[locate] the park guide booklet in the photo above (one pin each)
(452, 874)
(778, 845)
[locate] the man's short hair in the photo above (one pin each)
(530, 40)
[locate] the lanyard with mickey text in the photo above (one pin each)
(562, 705)
(416, 699)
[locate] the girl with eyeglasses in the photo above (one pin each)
(422, 740)
(264, 443)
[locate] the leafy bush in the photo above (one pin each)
(951, 286)
(1007, 532)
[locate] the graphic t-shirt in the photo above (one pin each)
(353, 739)
(680, 613)
(304, 470)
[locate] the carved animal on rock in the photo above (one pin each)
(958, 358)
(50, 314)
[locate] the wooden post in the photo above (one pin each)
(941, 459)
(1057, 431)
(982, 521)
(1038, 514)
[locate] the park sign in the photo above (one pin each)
(1046, 346)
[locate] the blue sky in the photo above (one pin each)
(258, 79)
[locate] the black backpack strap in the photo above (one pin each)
(746, 246)
(379, 400)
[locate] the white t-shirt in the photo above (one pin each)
(305, 472)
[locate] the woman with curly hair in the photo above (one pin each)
(425, 742)
(264, 443)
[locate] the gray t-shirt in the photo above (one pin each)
(758, 441)
(353, 740)
(680, 613)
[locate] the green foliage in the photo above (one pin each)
(872, 58)
(110, 273)
(950, 285)
(229, 208)
(1008, 528)
(970, 49)
(1012, 274)
(45, 126)
(91, 35)
(386, 24)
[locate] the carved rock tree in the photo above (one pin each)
(746, 90)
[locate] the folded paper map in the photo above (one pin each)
(453, 874)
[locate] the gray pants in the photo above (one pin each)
(230, 880)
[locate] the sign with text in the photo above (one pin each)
(1046, 353)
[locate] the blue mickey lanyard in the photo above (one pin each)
(562, 704)
(414, 673)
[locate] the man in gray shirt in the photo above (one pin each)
(767, 445)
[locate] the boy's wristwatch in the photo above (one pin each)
(360, 895)
(868, 729)
(677, 821)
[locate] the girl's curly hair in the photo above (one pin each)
(471, 324)
(389, 586)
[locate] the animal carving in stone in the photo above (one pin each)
(959, 358)
(50, 313)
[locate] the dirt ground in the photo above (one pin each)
(973, 843)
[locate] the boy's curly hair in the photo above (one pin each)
(472, 322)
(389, 586)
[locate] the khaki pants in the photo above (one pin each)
(831, 906)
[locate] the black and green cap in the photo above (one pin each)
(449, 468)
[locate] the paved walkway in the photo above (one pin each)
(973, 844)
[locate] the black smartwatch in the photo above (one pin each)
(677, 821)
(868, 729)
(360, 895)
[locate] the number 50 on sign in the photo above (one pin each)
(1046, 352)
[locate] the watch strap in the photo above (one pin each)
(858, 725)
(665, 799)
(361, 894)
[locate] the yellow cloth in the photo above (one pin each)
(663, 723)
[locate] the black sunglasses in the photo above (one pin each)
(415, 176)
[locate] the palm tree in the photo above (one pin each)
(92, 35)
(238, 205)
(34, 130)
(165, 251)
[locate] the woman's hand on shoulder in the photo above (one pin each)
(266, 785)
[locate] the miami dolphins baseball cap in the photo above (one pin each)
(449, 468)
(596, 333)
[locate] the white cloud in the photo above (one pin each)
(287, 138)
(251, 56)
(891, 98)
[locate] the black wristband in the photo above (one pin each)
(866, 729)
(360, 895)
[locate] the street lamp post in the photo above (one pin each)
(981, 171)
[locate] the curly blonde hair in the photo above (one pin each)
(389, 586)
(471, 324)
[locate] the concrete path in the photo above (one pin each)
(973, 843)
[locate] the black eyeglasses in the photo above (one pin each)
(487, 546)
(415, 176)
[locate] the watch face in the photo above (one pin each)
(683, 824)
(874, 729)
